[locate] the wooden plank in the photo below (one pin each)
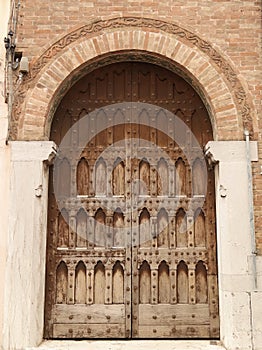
(174, 314)
(72, 229)
(192, 284)
(78, 331)
(89, 313)
(173, 290)
(90, 286)
(135, 292)
(213, 305)
(175, 331)
(71, 285)
(108, 290)
(154, 286)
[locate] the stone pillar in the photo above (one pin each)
(257, 307)
(236, 268)
(26, 244)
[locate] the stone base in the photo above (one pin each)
(130, 345)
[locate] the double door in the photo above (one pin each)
(131, 249)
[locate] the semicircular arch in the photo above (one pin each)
(155, 41)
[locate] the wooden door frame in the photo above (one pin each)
(175, 87)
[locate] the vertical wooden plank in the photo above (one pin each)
(182, 283)
(63, 229)
(92, 180)
(171, 170)
(73, 184)
(82, 177)
(163, 178)
(181, 229)
(101, 122)
(199, 228)
(163, 283)
(80, 283)
(109, 187)
(61, 283)
(144, 128)
(99, 284)
(173, 286)
(162, 229)
(128, 286)
(101, 178)
(172, 232)
(153, 179)
(118, 178)
(190, 230)
(180, 177)
(127, 222)
(199, 178)
(145, 285)
(135, 295)
(109, 232)
(191, 284)
(63, 182)
(119, 239)
(100, 228)
(118, 284)
(153, 125)
(90, 231)
(72, 230)
(144, 229)
(153, 90)
(119, 127)
(154, 285)
(162, 128)
(154, 231)
(81, 229)
(108, 285)
(144, 177)
(201, 283)
(90, 286)
(213, 306)
(71, 284)
(81, 132)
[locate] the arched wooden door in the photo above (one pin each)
(134, 254)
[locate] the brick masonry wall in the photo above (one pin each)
(233, 27)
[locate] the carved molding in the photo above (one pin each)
(100, 26)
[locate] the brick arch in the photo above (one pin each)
(150, 40)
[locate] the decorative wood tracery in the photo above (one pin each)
(142, 273)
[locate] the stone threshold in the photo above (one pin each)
(128, 345)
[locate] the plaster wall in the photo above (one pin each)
(236, 263)
(25, 262)
(256, 305)
(4, 160)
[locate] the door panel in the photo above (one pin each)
(131, 248)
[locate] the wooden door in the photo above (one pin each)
(131, 248)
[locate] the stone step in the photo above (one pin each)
(129, 345)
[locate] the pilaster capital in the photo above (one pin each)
(230, 151)
(29, 151)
